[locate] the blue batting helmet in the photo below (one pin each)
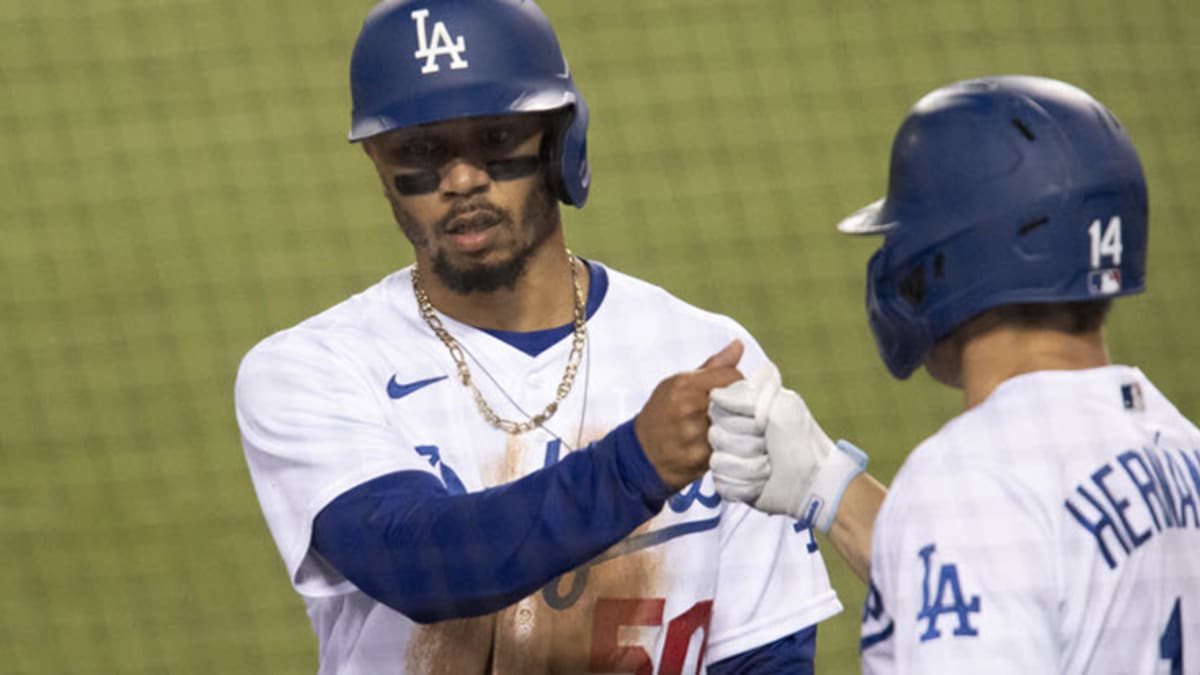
(417, 62)
(1002, 190)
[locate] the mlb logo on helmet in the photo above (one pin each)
(1104, 282)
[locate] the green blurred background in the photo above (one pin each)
(175, 185)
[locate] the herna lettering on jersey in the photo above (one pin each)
(437, 42)
(1137, 495)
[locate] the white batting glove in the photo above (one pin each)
(739, 463)
(805, 473)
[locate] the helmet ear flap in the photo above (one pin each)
(564, 150)
(552, 152)
(575, 193)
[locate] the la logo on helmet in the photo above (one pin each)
(439, 44)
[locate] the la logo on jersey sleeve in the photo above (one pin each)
(947, 609)
(942, 595)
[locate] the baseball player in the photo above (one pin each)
(1054, 525)
(495, 460)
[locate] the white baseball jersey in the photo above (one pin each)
(1054, 528)
(701, 581)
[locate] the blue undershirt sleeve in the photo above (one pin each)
(406, 541)
(793, 655)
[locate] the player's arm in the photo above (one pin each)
(406, 541)
(769, 451)
(854, 522)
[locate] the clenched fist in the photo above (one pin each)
(673, 425)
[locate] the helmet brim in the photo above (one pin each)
(866, 221)
(480, 100)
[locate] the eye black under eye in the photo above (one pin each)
(417, 183)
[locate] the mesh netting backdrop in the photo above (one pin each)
(175, 184)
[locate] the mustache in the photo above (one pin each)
(482, 214)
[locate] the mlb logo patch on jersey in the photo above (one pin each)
(1131, 396)
(1104, 282)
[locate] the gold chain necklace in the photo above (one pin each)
(464, 370)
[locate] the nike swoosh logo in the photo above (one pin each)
(397, 390)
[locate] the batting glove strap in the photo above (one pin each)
(829, 484)
(809, 471)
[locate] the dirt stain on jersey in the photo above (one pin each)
(566, 637)
(531, 636)
(450, 647)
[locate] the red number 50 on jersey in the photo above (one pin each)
(609, 656)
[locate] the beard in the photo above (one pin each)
(482, 279)
(538, 220)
